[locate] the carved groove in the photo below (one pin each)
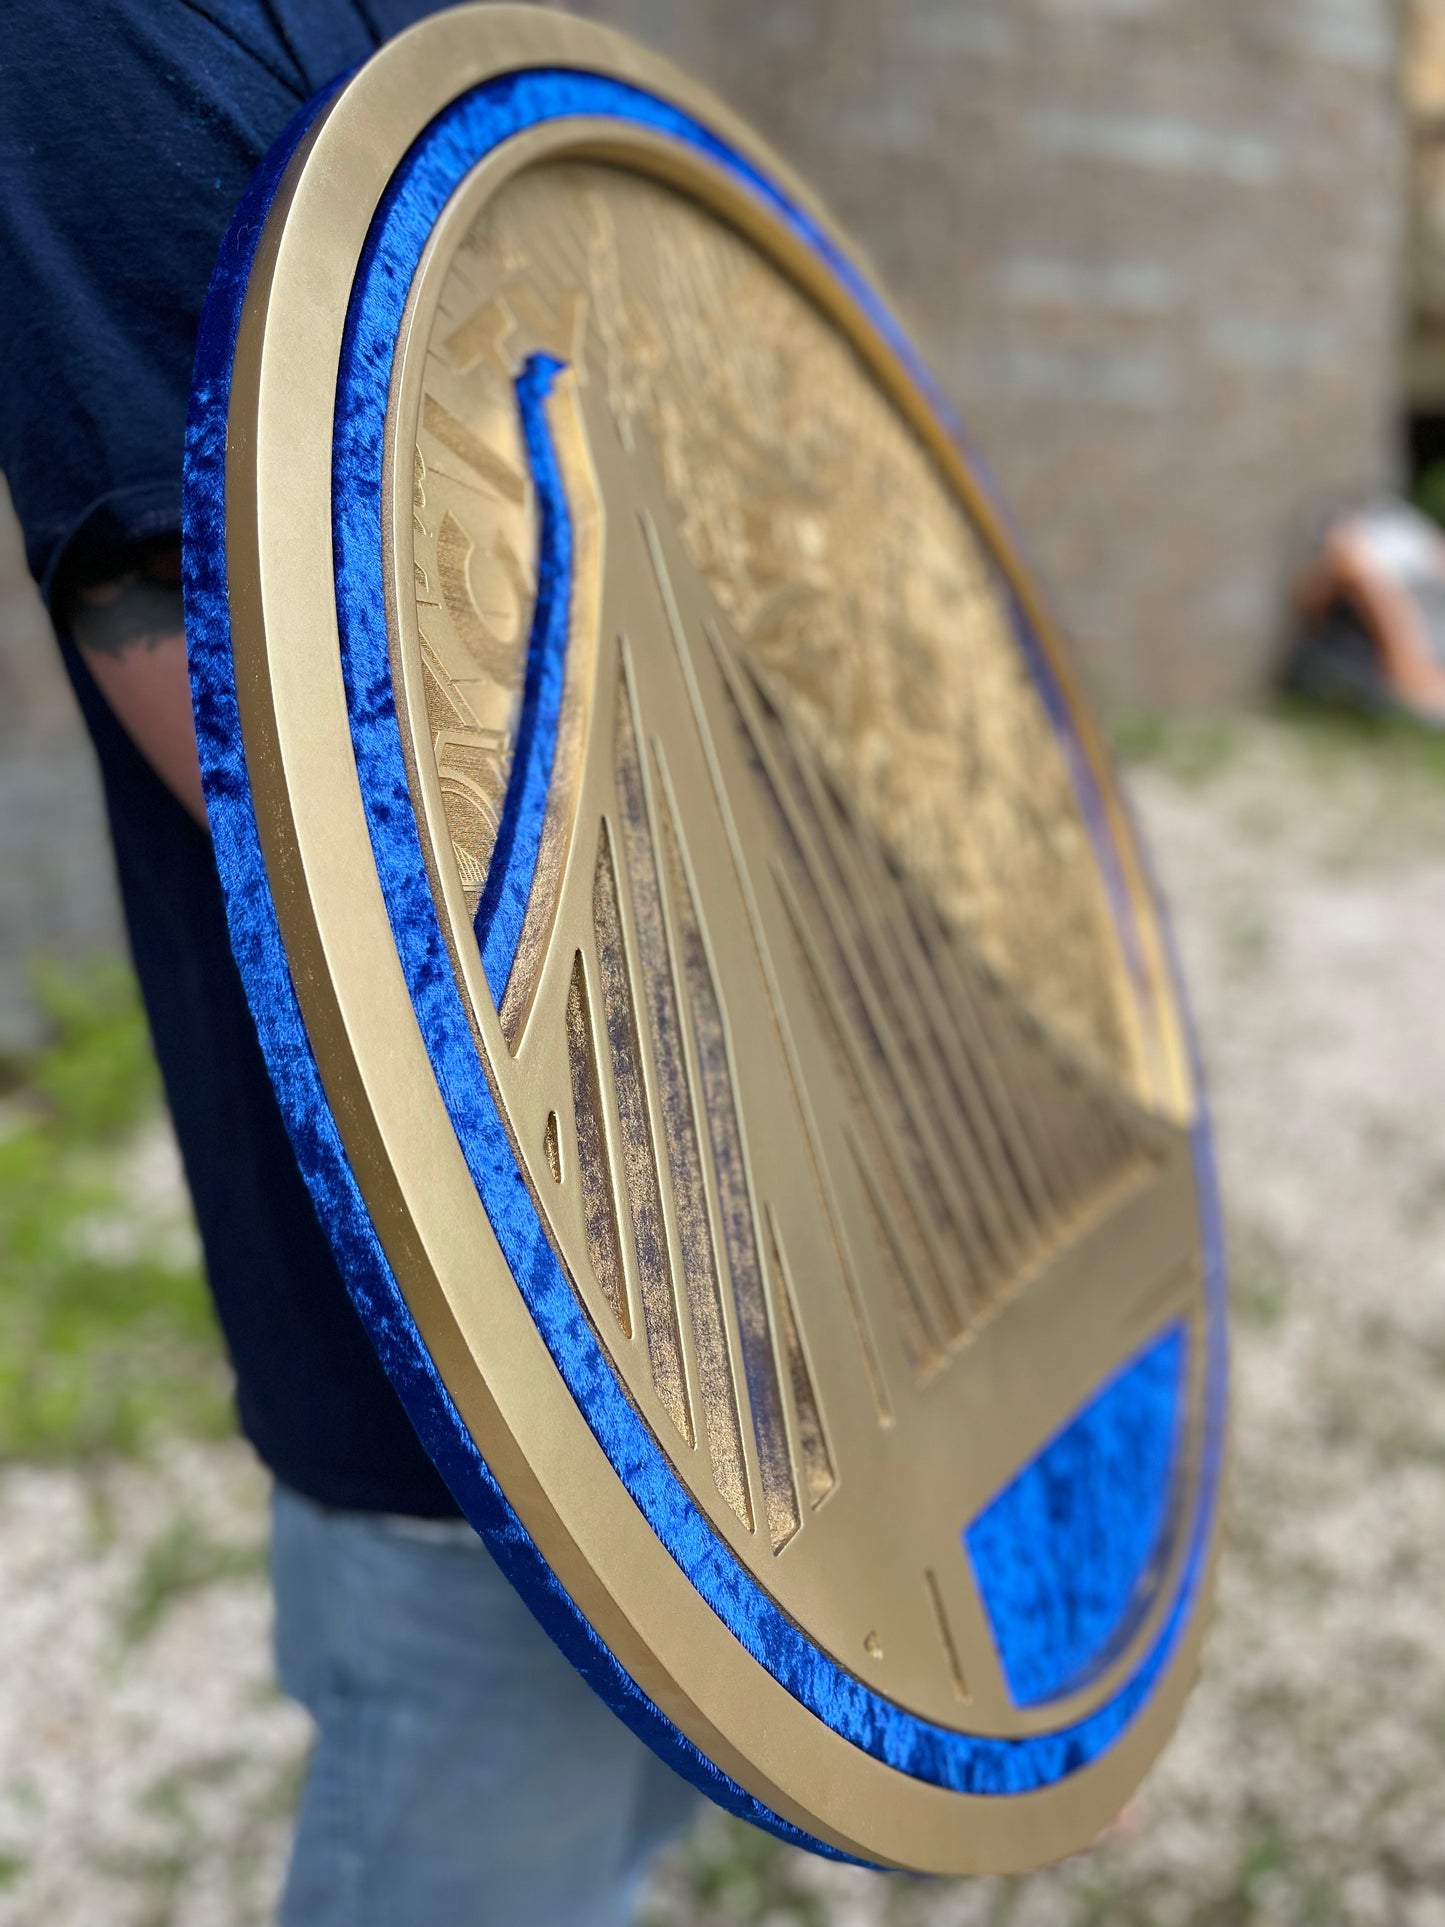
(818, 1475)
(480, 457)
(913, 1264)
(638, 1156)
(981, 1141)
(716, 1386)
(493, 655)
(594, 1167)
(946, 1639)
(859, 906)
(719, 1107)
(920, 1347)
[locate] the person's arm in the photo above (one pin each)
(131, 634)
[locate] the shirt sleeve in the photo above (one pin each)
(128, 132)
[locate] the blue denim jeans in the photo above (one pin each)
(463, 1773)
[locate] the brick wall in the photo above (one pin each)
(57, 891)
(1424, 74)
(1152, 248)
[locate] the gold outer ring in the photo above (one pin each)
(374, 1065)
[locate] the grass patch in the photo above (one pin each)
(185, 1559)
(99, 1349)
(1259, 1277)
(1336, 741)
(1329, 743)
(1192, 749)
(730, 1872)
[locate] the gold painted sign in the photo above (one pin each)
(742, 1019)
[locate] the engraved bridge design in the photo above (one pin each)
(862, 1235)
(714, 991)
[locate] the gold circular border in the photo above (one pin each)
(704, 179)
(374, 1065)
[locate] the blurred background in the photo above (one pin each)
(1181, 263)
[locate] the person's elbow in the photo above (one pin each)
(131, 634)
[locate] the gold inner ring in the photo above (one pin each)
(812, 1448)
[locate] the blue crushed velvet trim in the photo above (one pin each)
(503, 903)
(1064, 1554)
(323, 1160)
(256, 939)
(471, 127)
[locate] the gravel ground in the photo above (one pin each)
(146, 1766)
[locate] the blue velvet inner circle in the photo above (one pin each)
(470, 128)
(1068, 1555)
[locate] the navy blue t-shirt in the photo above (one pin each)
(128, 132)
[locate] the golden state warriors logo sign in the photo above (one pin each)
(713, 988)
